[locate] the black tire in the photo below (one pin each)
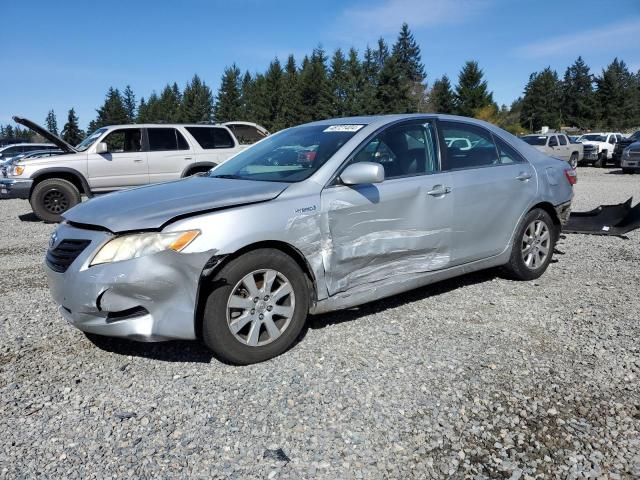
(517, 269)
(602, 160)
(52, 197)
(573, 161)
(216, 332)
(627, 170)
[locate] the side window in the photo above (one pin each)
(246, 134)
(508, 154)
(618, 137)
(403, 150)
(563, 139)
(467, 146)
(553, 141)
(211, 137)
(165, 139)
(612, 139)
(124, 140)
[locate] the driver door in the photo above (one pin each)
(123, 165)
(379, 233)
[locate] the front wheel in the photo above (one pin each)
(627, 170)
(258, 310)
(532, 247)
(601, 162)
(52, 197)
(573, 161)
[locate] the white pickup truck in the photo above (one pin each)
(118, 157)
(557, 145)
(599, 147)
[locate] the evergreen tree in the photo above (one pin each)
(471, 92)
(112, 112)
(381, 54)
(578, 99)
(394, 93)
(169, 103)
(541, 102)
(616, 93)
(9, 132)
(370, 74)
(315, 90)
(354, 85)
(338, 82)
(51, 122)
(71, 132)
(197, 102)
(408, 56)
(129, 101)
(246, 87)
(229, 101)
(274, 95)
(291, 95)
(442, 99)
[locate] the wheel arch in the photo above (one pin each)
(207, 282)
(551, 210)
(198, 167)
(76, 178)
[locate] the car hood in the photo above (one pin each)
(152, 206)
(540, 148)
(57, 141)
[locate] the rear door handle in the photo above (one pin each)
(187, 158)
(137, 160)
(523, 176)
(439, 190)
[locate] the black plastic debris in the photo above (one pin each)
(615, 220)
(126, 415)
(277, 454)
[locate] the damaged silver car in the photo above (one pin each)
(315, 218)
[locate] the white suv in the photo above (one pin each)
(116, 157)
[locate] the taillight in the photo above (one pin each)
(571, 175)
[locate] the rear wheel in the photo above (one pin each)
(573, 161)
(532, 247)
(52, 197)
(259, 310)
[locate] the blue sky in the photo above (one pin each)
(59, 55)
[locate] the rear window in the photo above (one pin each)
(535, 140)
(211, 137)
(246, 134)
(164, 139)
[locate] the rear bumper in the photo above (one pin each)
(15, 188)
(563, 211)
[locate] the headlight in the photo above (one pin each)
(139, 244)
(16, 170)
(626, 152)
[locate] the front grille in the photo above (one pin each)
(65, 253)
(588, 148)
(635, 154)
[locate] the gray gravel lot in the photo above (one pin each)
(475, 377)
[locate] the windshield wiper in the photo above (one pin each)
(233, 177)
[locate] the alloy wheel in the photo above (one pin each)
(260, 307)
(55, 201)
(535, 244)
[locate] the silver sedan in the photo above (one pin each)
(315, 218)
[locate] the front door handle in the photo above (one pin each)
(439, 190)
(524, 176)
(187, 158)
(137, 160)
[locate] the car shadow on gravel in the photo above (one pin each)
(30, 217)
(171, 351)
(435, 289)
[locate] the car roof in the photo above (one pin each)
(163, 125)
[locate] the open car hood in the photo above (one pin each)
(152, 206)
(57, 141)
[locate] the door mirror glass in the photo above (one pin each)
(362, 173)
(101, 147)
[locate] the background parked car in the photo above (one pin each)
(9, 151)
(624, 143)
(630, 158)
(28, 155)
(113, 158)
(557, 145)
(599, 147)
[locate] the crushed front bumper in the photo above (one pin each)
(15, 188)
(150, 298)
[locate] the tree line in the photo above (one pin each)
(384, 79)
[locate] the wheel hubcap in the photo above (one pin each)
(55, 201)
(535, 244)
(260, 307)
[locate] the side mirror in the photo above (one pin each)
(101, 147)
(362, 173)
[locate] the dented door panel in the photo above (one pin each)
(377, 233)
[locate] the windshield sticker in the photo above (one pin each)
(343, 128)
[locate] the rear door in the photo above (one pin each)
(563, 147)
(491, 186)
(123, 165)
(169, 154)
(394, 229)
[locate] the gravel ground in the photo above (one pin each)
(474, 377)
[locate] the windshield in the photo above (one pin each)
(533, 140)
(87, 142)
(594, 137)
(290, 156)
